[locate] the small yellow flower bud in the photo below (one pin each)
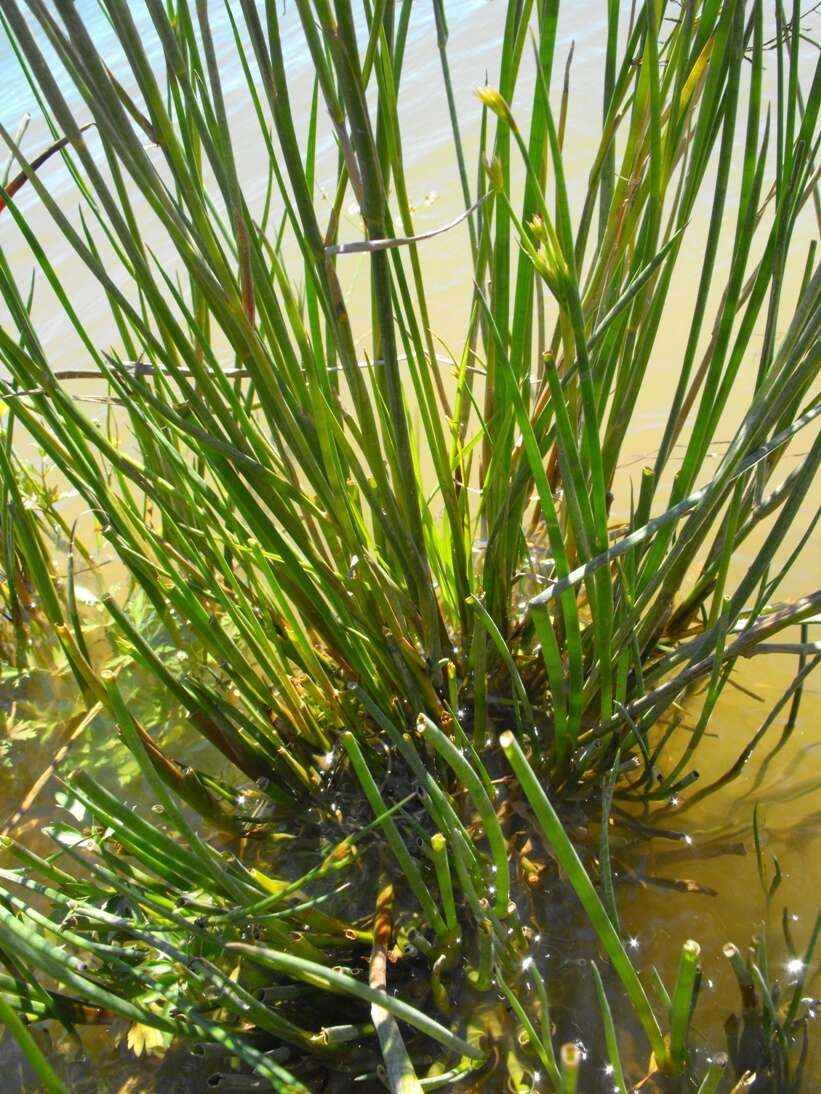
(493, 100)
(537, 227)
(493, 169)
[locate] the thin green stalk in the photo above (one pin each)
(715, 1073)
(439, 851)
(543, 1050)
(331, 980)
(37, 1061)
(579, 879)
(397, 844)
(493, 830)
(616, 1071)
(571, 1059)
(682, 1005)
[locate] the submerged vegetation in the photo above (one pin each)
(385, 586)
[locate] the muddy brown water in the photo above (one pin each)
(727, 904)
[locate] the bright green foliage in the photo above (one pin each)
(271, 501)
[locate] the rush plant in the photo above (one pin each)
(400, 604)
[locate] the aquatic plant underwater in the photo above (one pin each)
(390, 591)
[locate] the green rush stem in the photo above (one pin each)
(473, 784)
(610, 1037)
(31, 1050)
(439, 850)
(571, 1058)
(395, 841)
(330, 980)
(683, 1003)
(715, 1073)
(583, 886)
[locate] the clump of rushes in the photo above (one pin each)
(775, 1013)
(775, 1009)
(271, 506)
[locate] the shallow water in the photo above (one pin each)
(659, 919)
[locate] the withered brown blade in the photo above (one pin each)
(17, 182)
